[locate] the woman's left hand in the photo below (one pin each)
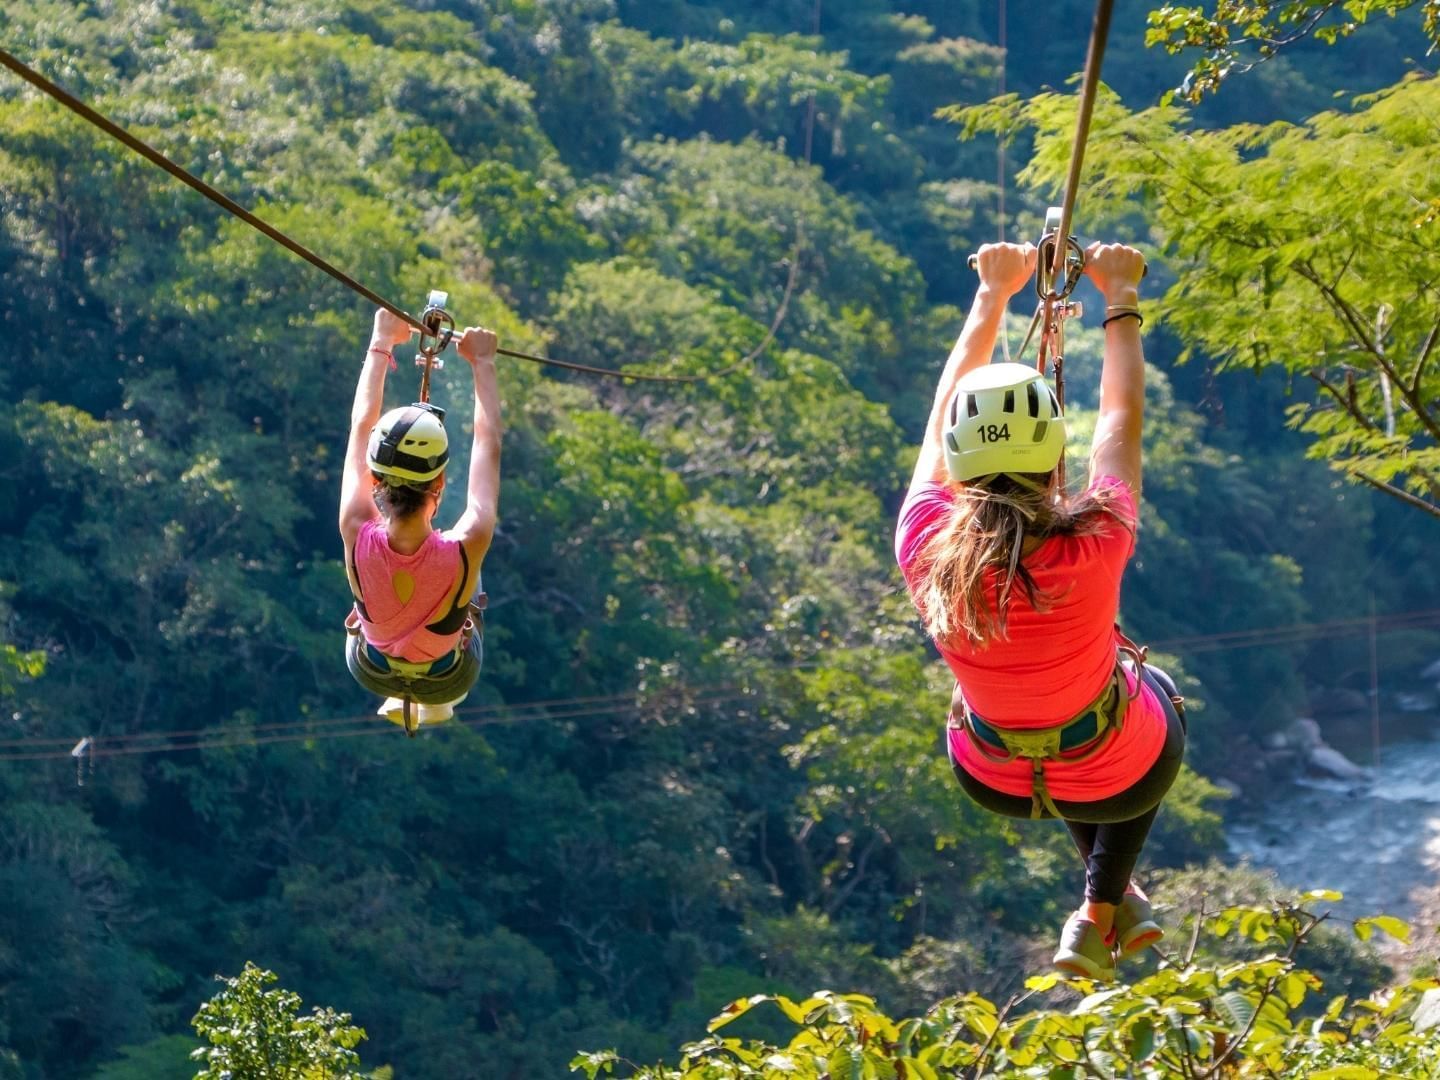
(389, 330)
(1116, 270)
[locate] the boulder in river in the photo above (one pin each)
(1332, 762)
(1303, 733)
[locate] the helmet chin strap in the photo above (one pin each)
(1025, 482)
(1019, 478)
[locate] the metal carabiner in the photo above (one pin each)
(1074, 265)
(440, 329)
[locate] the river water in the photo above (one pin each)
(1374, 840)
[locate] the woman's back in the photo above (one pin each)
(1052, 662)
(408, 599)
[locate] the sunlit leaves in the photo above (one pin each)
(1238, 34)
(1386, 924)
(1185, 1019)
(260, 1033)
(1294, 247)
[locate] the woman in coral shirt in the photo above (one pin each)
(1018, 583)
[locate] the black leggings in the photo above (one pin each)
(1108, 833)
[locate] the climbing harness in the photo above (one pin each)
(1071, 741)
(413, 683)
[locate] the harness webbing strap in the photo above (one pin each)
(1039, 745)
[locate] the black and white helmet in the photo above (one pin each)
(409, 444)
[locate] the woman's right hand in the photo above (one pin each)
(1005, 268)
(1116, 270)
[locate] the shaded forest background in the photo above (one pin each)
(743, 789)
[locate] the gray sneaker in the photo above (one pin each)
(1135, 925)
(1084, 950)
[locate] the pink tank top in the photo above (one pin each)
(403, 596)
(1054, 663)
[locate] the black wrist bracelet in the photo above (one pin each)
(1124, 315)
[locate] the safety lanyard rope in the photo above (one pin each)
(145, 150)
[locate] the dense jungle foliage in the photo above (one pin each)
(737, 786)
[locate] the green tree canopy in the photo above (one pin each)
(1304, 247)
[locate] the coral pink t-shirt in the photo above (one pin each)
(404, 595)
(1052, 664)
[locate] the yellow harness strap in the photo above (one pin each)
(1039, 745)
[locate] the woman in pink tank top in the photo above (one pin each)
(1018, 583)
(415, 632)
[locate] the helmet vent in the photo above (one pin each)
(971, 407)
(1041, 426)
(1032, 397)
(1009, 401)
(1054, 401)
(951, 443)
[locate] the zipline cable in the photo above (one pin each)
(314, 722)
(1002, 18)
(1094, 57)
(226, 739)
(1299, 633)
(179, 172)
(1053, 282)
(155, 157)
(48, 748)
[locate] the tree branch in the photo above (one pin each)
(859, 874)
(1425, 352)
(1301, 933)
(1399, 493)
(1359, 333)
(1001, 1017)
(1300, 32)
(1346, 401)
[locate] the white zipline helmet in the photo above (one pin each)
(1004, 418)
(409, 444)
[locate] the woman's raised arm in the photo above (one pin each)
(1116, 271)
(1004, 269)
